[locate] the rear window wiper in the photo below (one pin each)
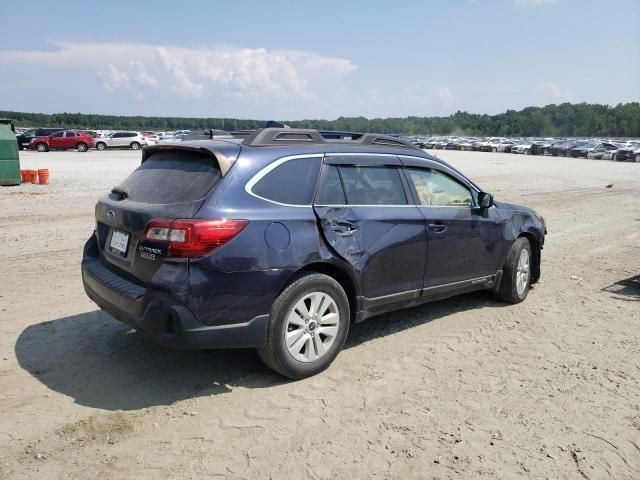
(122, 193)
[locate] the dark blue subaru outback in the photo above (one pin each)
(279, 241)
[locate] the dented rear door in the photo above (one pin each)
(366, 216)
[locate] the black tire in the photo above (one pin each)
(101, 146)
(42, 147)
(508, 291)
(275, 353)
(82, 147)
(135, 146)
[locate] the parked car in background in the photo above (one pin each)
(490, 145)
(559, 147)
(440, 144)
(176, 138)
(628, 153)
(453, 144)
(522, 147)
(505, 146)
(562, 148)
(63, 140)
(24, 139)
(582, 149)
(540, 147)
(603, 151)
(284, 239)
(132, 140)
(466, 144)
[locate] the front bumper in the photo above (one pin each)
(160, 317)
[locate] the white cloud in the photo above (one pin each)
(141, 75)
(114, 79)
(176, 67)
(556, 92)
(197, 72)
(532, 3)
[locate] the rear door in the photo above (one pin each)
(69, 140)
(366, 216)
(169, 184)
(464, 241)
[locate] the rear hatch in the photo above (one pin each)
(169, 184)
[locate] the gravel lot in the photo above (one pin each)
(462, 388)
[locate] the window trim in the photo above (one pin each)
(414, 191)
(428, 163)
(408, 193)
(397, 168)
(323, 169)
(272, 166)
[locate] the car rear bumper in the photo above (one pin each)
(162, 318)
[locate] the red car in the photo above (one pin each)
(63, 140)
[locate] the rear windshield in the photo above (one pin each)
(172, 176)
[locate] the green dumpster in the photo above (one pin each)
(9, 160)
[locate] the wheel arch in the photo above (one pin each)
(536, 250)
(340, 275)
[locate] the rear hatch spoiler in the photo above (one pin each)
(224, 153)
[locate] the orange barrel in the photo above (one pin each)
(32, 176)
(43, 176)
(23, 176)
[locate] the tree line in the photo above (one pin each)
(564, 120)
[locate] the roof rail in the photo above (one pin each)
(268, 137)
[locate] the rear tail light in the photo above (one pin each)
(192, 238)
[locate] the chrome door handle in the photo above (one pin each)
(344, 229)
(437, 227)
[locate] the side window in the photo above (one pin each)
(439, 189)
(118, 135)
(330, 191)
(57, 135)
(130, 134)
(375, 185)
(292, 182)
(70, 134)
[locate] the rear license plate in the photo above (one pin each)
(119, 243)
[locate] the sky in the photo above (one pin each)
(293, 60)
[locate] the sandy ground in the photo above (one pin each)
(462, 388)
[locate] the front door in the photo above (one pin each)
(117, 139)
(464, 241)
(367, 217)
(56, 140)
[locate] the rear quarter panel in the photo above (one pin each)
(242, 278)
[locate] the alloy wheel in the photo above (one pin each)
(522, 273)
(312, 326)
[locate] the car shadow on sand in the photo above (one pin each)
(627, 289)
(97, 362)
